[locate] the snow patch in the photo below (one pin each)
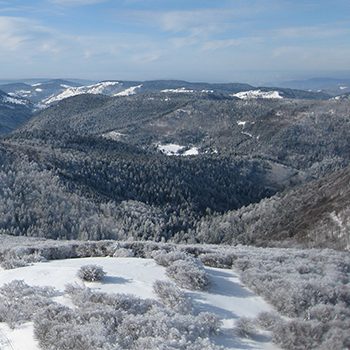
(192, 152)
(180, 90)
(245, 95)
(246, 133)
(23, 92)
(172, 149)
(343, 87)
(113, 135)
(74, 91)
(39, 90)
(17, 101)
(130, 91)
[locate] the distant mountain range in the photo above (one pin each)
(329, 86)
(42, 94)
(52, 91)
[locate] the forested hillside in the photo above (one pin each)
(91, 167)
(13, 112)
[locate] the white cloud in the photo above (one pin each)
(196, 22)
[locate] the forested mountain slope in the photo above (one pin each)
(296, 133)
(13, 112)
(91, 167)
(313, 215)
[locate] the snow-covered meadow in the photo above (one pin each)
(226, 297)
(163, 296)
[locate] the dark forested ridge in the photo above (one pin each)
(90, 167)
(13, 112)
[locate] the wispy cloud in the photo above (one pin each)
(28, 38)
(76, 2)
(195, 22)
(220, 44)
(307, 32)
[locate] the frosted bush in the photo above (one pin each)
(189, 274)
(299, 334)
(267, 320)
(217, 260)
(245, 327)
(91, 273)
(19, 302)
(210, 322)
(335, 339)
(243, 264)
(13, 264)
(123, 253)
(167, 259)
(327, 313)
(172, 297)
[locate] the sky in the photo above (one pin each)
(248, 41)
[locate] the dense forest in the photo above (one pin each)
(260, 168)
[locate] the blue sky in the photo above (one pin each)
(255, 41)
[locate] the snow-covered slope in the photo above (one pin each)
(227, 297)
(14, 110)
(99, 88)
(245, 95)
(130, 91)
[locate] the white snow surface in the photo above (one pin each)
(172, 149)
(13, 100)
(130, 91)
(227, 297)
(177, 90)
(192, 152)
(245, 95)
(89, 89)
(114, 135)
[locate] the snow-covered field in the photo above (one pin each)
(226, 297)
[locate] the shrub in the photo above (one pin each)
(123, 253)
(167, 259)
(19, 302)
(210, 321)
(189, 273)
(217, 260)
(172, 297)
(245, 327)
(91, 273)
(13, 264)
(299, 334)
(267, 320)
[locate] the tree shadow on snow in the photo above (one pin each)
(115, 280)
(222, 313)
(228, 339)
(223, 286)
